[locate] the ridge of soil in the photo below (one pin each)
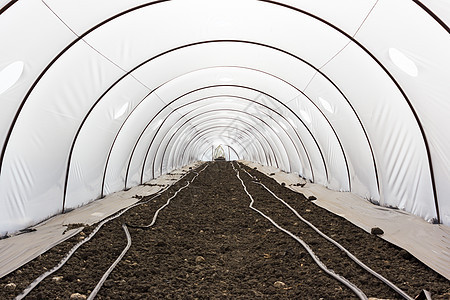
(208, 244)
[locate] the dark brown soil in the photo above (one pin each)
(208, 244)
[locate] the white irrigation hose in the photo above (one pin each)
(69, 254)
(155, 216)
(38, 280)
(111, 268)
(124, 226)
(348, 253)
(340, 278)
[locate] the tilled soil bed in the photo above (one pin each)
(209, 244)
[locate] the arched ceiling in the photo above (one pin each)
(98, 96)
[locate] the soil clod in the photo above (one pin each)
(77, 296)
(376, 231)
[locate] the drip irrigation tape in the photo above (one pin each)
(330, 272)
(348, 253)
(124, 226)
(111, 268)
(155, 216)
(69, 254)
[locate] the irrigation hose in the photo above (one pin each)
(348, 253)
(155, 216)
(111, 268)
(338, 277)
(69, 254)
(125, 227)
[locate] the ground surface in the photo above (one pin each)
(208, 244)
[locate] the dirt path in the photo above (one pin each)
(208, 244)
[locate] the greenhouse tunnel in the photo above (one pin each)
(97, 97)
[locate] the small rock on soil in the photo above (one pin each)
(279, 284)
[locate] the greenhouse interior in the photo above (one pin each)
(225, 149)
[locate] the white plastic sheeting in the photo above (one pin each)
(349, 94)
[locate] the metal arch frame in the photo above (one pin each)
(247, 99)
(207, 148)
(425, 8)
(237, 142)
(242, 132)
(230, 96)
(282, 104)
(244, 87)
(320, 113)
(7, 5)
(221, 110)
(181, 129)
(223, 118)
(146, 61)
(165, 134)
(432, 14)
(257, 136)
(151, 92)
(344, 155)
(154, 57)
(210, 129)
(419, 3)
(269, 158)
(396, 83)
(167, 105)
(228, 155)
(245, 134)
(228, 146)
